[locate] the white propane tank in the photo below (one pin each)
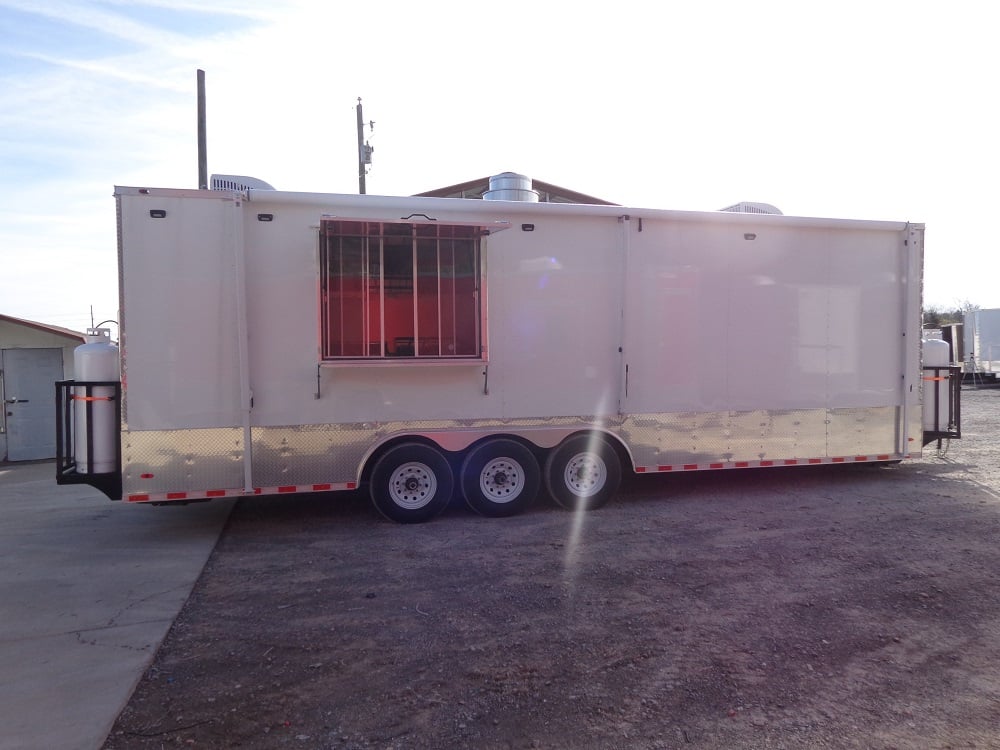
(937, 353)
(97, 360)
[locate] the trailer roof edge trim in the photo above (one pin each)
(327, 201)
(468, 205)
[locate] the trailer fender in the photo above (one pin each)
(457, 441)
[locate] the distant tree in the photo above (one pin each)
(950, 317)
(936, 316)
(932, 317)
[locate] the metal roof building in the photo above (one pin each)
(32, 357)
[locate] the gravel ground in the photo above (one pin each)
(818, 607)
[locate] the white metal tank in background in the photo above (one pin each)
(937, 353)
(97, 360)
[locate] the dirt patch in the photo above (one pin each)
(824, 607)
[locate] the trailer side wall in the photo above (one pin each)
(697, 340)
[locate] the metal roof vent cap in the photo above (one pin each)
(509, 186)
(237, 182)
(750, 207)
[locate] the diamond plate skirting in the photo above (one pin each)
(703, 438)
(169, 460)
(179, 460)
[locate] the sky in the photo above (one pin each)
(881, 109)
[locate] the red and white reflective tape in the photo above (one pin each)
(290, 489)
(166, 497)
(766, 463)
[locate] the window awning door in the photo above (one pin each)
(426, 226)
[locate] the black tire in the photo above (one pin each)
(411, 483)
(500, 477)
(583, 473)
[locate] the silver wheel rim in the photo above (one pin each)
(501, 480)
(412, 485)
(585, 474)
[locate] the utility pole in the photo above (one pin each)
(364, 150)
(202, 150)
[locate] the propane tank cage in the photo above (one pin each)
(951, 411)
(67, 392)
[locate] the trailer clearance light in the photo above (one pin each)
(749, 236)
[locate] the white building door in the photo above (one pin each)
(29, 377)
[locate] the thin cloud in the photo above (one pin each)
(93, 18)
(268, 11)
(107, 69)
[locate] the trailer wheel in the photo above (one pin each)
(411, 483)
(500, 478)
(583, 473)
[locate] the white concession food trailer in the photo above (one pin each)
(280, 342)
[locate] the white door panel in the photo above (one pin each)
(29, 402)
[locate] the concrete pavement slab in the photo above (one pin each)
(88, 590)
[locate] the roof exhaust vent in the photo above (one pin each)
(746, 207)
(237, 182)
(509, 186)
